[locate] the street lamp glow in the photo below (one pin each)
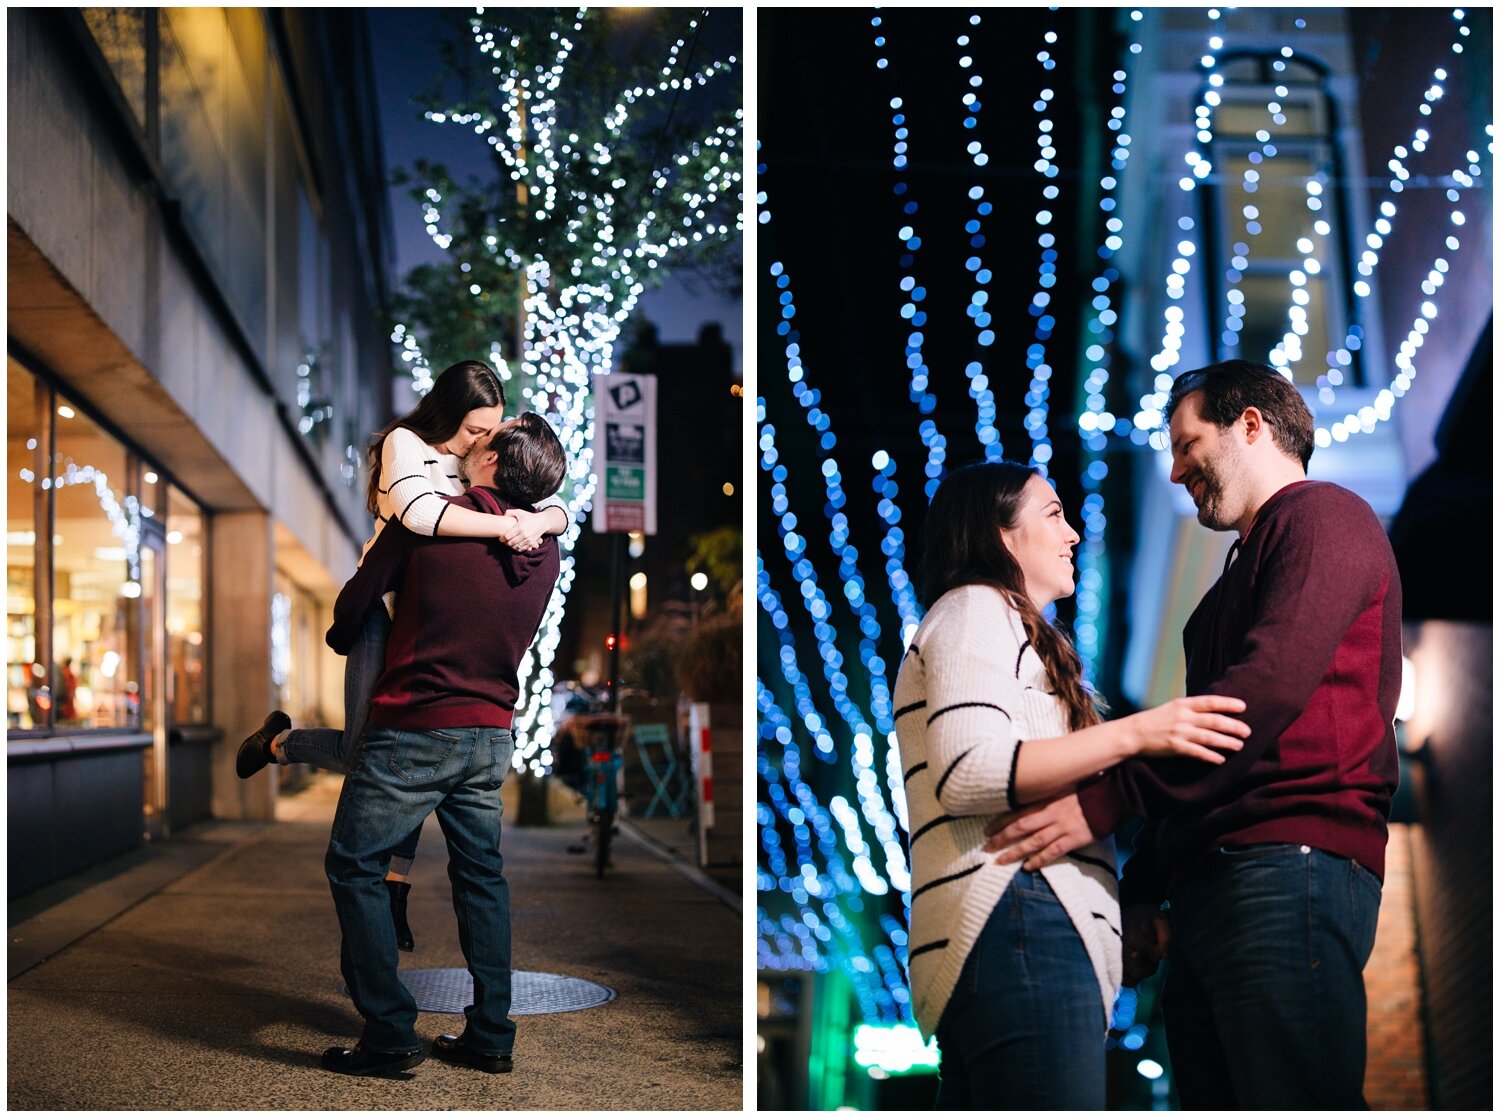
(699, 581)
(638, 580)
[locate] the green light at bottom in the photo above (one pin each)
(894, 1050)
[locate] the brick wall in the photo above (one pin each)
(1451, 853)
(1396, 1068)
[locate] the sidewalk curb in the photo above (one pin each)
(681, 865)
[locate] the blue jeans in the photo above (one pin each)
(399, 777)
(1264, 999)
(335, 750)
(1024, 1026)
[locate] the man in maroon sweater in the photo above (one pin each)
(438, 739)
(1271, 863)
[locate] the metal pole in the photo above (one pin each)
(617, 583)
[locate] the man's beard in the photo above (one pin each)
(1211, 511)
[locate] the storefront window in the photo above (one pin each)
(28, 693)
(96, 573)
(187, 678)
(93, 631)
(298, 623)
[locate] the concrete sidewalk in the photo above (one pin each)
(220, 989)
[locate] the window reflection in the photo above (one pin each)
(96, 570)
(187, 680)
(28, 692)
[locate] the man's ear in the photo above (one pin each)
(1255, 424)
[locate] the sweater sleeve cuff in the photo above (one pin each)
(1102, 809)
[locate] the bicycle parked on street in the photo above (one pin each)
(606, 735)
(591, 750)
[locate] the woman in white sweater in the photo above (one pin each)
(1014, 972)
(413, 461)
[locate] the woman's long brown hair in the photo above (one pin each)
(963, 547)
(458, 390)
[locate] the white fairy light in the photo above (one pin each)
(575, 307)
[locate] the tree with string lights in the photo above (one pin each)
(613, 148)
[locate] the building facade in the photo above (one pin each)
(198, 261)
(1343, 226)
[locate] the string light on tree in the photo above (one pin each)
(595, 203)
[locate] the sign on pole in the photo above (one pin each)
(625, 453)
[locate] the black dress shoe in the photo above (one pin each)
(398, 891)
(360, 1060)
(456, 1050)
(255, 751)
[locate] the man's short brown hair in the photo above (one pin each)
(529, 461)
(1229, 387)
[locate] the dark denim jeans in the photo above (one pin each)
(335, 749)
(1264, 1000)
(398, 778)
(1024, 1026)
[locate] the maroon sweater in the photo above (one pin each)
(466, 612)
(1304, 625)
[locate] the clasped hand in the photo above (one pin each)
(526, 531)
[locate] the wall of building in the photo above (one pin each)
(1396, 53)
(1452, 852)
(197, 254)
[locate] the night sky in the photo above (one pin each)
(404, 45)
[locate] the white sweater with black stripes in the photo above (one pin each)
(970, 691)
(412, 475)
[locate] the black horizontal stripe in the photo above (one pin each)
(1100, 862)
(1024, 646)
(929, 825)
(918, 705)
(931, 718)
(402, 515)
(938, 791)
(399, 480)
(1107, 924)
(935, 945)
(914, 770)
(944, 880)
(429, 461)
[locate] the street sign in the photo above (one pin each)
(625, 453)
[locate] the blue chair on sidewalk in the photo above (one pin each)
(653, 738)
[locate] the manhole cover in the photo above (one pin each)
(450, 989)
